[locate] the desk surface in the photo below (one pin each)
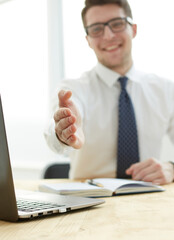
(130, 217)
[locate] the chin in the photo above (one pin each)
(112, 66)
(112, 62)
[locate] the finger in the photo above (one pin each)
(64, 97)
(137, 167)
(62, 113)
(74, 142)
(68, 132)
(152, 177)
(63, 124)
(66, 122)
(71, 140)
(142, 173)
(148, 169)
(129, 170)
(134, 167)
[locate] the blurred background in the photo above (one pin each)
(43, 42)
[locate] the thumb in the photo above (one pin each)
(64, 97)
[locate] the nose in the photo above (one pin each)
(108, 34)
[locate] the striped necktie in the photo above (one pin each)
(127, 152)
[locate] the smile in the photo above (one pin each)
(113, 47)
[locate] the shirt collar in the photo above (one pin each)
(133, 75)
(110, 77)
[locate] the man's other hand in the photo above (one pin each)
(153, 171)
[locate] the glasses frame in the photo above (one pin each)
(126, 19)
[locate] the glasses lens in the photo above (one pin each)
(117, 25)
(95, 30)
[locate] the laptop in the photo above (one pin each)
(21, 204)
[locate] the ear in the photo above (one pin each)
(88, 40)
(134, 30)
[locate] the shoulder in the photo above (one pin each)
(154, 79)
(81, 85)
(156, 86)
(84, 79)
(161, 83)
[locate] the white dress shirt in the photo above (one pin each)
(96, 95)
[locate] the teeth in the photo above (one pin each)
(111, 48)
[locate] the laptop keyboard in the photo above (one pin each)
(32, 206)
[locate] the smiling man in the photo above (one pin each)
(112, 120)
(113, 52)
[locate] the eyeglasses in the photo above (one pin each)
(116, 25)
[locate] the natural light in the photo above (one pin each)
(24, 83)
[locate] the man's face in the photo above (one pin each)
(112, 49)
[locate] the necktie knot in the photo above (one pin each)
(123, 82)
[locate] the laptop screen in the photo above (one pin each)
(8, 209)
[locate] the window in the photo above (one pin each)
(78, 57)
(24, 79)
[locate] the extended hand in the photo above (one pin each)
(68, 123)
(153, 171)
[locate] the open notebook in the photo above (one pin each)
(27, 204)
(101, 187)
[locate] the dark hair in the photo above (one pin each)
(121, 3)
